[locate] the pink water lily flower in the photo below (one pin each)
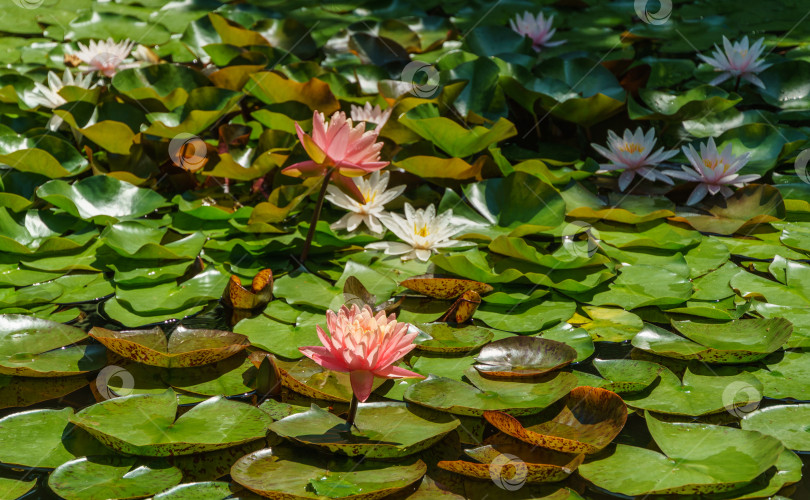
(537, 28)
(634, 153)
(349, 149)
(364, 346)
(105, 56)
(738, 61)
(713, 171)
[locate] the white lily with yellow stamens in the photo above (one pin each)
(105, 56)
(422, 233)
(375, 196)
(714, 171)
(633, 153)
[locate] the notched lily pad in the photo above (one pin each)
(523, 357)
(33, 347)
(446, 338)
(417, 428)
(184, 348)
(463, 308)
(510, 462)
(284, 474)
(89, 478)
(236, 296)
(588, 420)
(444, 287)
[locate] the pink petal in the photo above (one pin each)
(304, 169)
(362, 382)
(396, 372)
(323, 357)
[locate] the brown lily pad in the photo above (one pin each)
(18, 392)
(236, 296)
(463, 308)
(588, 420)
(523, 357)
(510, 463)
(182, 349)
(444, 287)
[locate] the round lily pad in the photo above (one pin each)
(588, 420)
(26, 391)
(510, 463)
(445, 338)
(523, 357)
(626, 375)
(183, 348)
(416, 428)
(147, 424)
(788, 423)
(515, 397)
(289, 474)
(50, 438)
(444, 287)
(98, 478)
(34, 347)
(208, 490)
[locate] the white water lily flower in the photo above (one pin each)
(713, 171)
(49, 96)
(105, 56)
(373, 115)
(375, 195)
(422, 233)
(737, 61)
(537, 28)
(634, 153)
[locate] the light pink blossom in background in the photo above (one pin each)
(538, 28)
(105, 56)
(737, 60)
(373, 115)
(633, 153)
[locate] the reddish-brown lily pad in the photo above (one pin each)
(444, 287)
(588, 420)
(523, 357)
(510, 463)
(182, 349)
(236, 296)
(463, 308)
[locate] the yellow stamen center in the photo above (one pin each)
(369, 196)
(423, 231)
(632, 147)
(712, 164)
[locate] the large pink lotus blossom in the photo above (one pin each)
(350, 150)
(537, 28)
(363, 345)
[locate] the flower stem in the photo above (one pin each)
(316, 215)
(737, 85)
(352, 411)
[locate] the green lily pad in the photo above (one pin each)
(41, 232)
(148, 425)
(184, 348)
(101, 198)
(610, 324)
(445, 338)
(209, 490)
(308, 378)
(283, 473)
(526, 317)
(523, 357)
(747, 207)
(13, 488)
(416, 430)
(134, 240)
(787, 423)
(696, 459)
(17, 392)
(34, 347)
(785, 375)
(523, 397)
(626, 375)
(91, 478)
(640, 286)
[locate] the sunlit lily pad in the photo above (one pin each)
(287, 474)
(183, 348)
(416, 429)
(523, 357)
(13, 488)
(524, 396)
(443, 287)
(445, 338)
(35, 347)
(148, 425)
(208, 490)
(787, 423)
(26, 391)
(89, 478)
(626, 375)
(588, 420)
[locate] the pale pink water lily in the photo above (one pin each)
(375, 196)
(49, 96)
(349, 149)
(373, 115)
(538, 28)
(634, 154)
(713, 171)
(422, 233)
(364, 345)
(105, 56)
(738, 60)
